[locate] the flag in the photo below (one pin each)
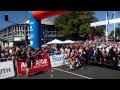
(113, 15)
(107, 13)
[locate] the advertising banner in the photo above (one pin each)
(35, 32)
(36, 65)
(6, 69)
(57, 60)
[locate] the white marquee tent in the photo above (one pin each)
(55, 41)
(69, 41)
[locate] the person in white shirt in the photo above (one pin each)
(10, 51)
(62, 51)
(67, 50)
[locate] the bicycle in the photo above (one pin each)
(67, 64)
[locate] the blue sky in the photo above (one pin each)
(101, 15)
(19, 17)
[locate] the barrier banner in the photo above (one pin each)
(6, 69)
(57, 60)
(39, 64)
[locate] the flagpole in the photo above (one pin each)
(114, 24)
(106, 27)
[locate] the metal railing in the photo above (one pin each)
(5, 59)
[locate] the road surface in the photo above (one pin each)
(90, 72)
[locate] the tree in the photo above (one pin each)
(76, 24)
(99, 31)
(117, 33)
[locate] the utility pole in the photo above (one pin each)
(13, 37)
(106, 27)
(25, 32)
(114, 24)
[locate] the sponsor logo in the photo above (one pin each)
(31, 42)
(31, 22)
(31, 35)
(37, 63)
(5, 70)
(58, 58)
(31, 29)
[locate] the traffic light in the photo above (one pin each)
(6, 17)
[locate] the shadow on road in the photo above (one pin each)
(36, 73)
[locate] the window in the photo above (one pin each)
(19, 27)
(5, 32)
(20, 32)
(11, 29)
(42, 28)
(14, 27)
(23, 28)
(26, 27)
(49, 32)
(17, 32)
(8, 30)
(54, 33)
(2, 32)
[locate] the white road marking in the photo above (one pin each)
(73, 73)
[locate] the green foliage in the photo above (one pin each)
(99, 31)
(117, 33)
(77, 23)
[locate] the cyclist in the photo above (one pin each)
(72, 58)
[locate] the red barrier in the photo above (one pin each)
(40, 64)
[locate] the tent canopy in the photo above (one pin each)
(55, 41)
(69, 41)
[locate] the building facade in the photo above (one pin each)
(14, 35)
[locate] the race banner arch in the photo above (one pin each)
(35, 25)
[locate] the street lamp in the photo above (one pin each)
(106, 26)
(13, 38)
(25, 32)
(114, 24)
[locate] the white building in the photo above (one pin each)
(15, 34)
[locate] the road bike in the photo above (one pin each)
(78, 64)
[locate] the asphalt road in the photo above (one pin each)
(90, 72)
